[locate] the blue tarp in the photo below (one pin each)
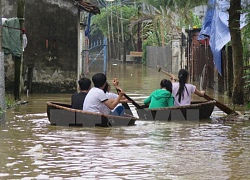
(215, 26)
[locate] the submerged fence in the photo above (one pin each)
(199, 56)
(161, 56)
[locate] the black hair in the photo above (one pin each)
(182, 76)
(166, 84)
(84, 83)
(99, 79)
(105, 89)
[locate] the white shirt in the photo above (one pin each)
(94, 101)
(111, 95)
(186, 99)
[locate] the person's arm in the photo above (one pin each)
(173, 79)
(124, 100)
(112, 103)
(199, 93)
(147, 100)
(116, 83)
(111, 95)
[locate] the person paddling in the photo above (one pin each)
(119, 109)
(97, 100)
(182, 90)
(161, 97)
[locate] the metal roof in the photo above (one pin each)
(87, 6)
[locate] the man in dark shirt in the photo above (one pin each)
(77, 99)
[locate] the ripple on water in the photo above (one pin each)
(149, 150)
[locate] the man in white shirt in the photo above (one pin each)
(97, 100)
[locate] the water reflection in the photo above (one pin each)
(149, 150)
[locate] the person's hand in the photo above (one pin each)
(120, 92)
(172, 78)
(203, 93)
(115, 82)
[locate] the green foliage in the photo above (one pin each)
(99, 22)
(151, 38)
(245, 42)
(195, 20)
(166, 18)
(9, 101)
(246, 55)
(248, 105)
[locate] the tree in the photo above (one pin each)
(99, 22)
(167, 18)
(182, 8)
(237, 50)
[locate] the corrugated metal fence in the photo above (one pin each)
(161, 56)
(200, 55)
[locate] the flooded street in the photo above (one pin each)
(31, 148)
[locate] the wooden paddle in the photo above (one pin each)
(132, 101)
(218, 104)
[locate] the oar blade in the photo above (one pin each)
(221, 106)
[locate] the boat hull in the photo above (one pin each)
(60, 114)
(196, 111)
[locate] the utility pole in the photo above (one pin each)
(2, 83)
(19, 60)
(122, 22)
(122, 32)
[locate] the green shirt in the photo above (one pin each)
(160, 98)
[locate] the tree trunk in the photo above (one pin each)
(237, 51)
(162, 35)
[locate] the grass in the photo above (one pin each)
(9, 102)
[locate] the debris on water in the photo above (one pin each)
(36, 149)
(21, 102)
(234, 118)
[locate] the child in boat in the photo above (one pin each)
(97, 100)
(161, 97)
(182, 90)
(119, 109)
(77, 99)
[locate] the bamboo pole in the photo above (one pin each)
(112, 29)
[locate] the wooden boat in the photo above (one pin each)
(61, 114)
(196, 111)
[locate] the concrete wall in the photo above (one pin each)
(9, 8)
(50, 59)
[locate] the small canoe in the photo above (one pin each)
(196, 111)
(61, 114)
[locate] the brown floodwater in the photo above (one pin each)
(31, 148)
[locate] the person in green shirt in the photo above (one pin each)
(161, 97)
